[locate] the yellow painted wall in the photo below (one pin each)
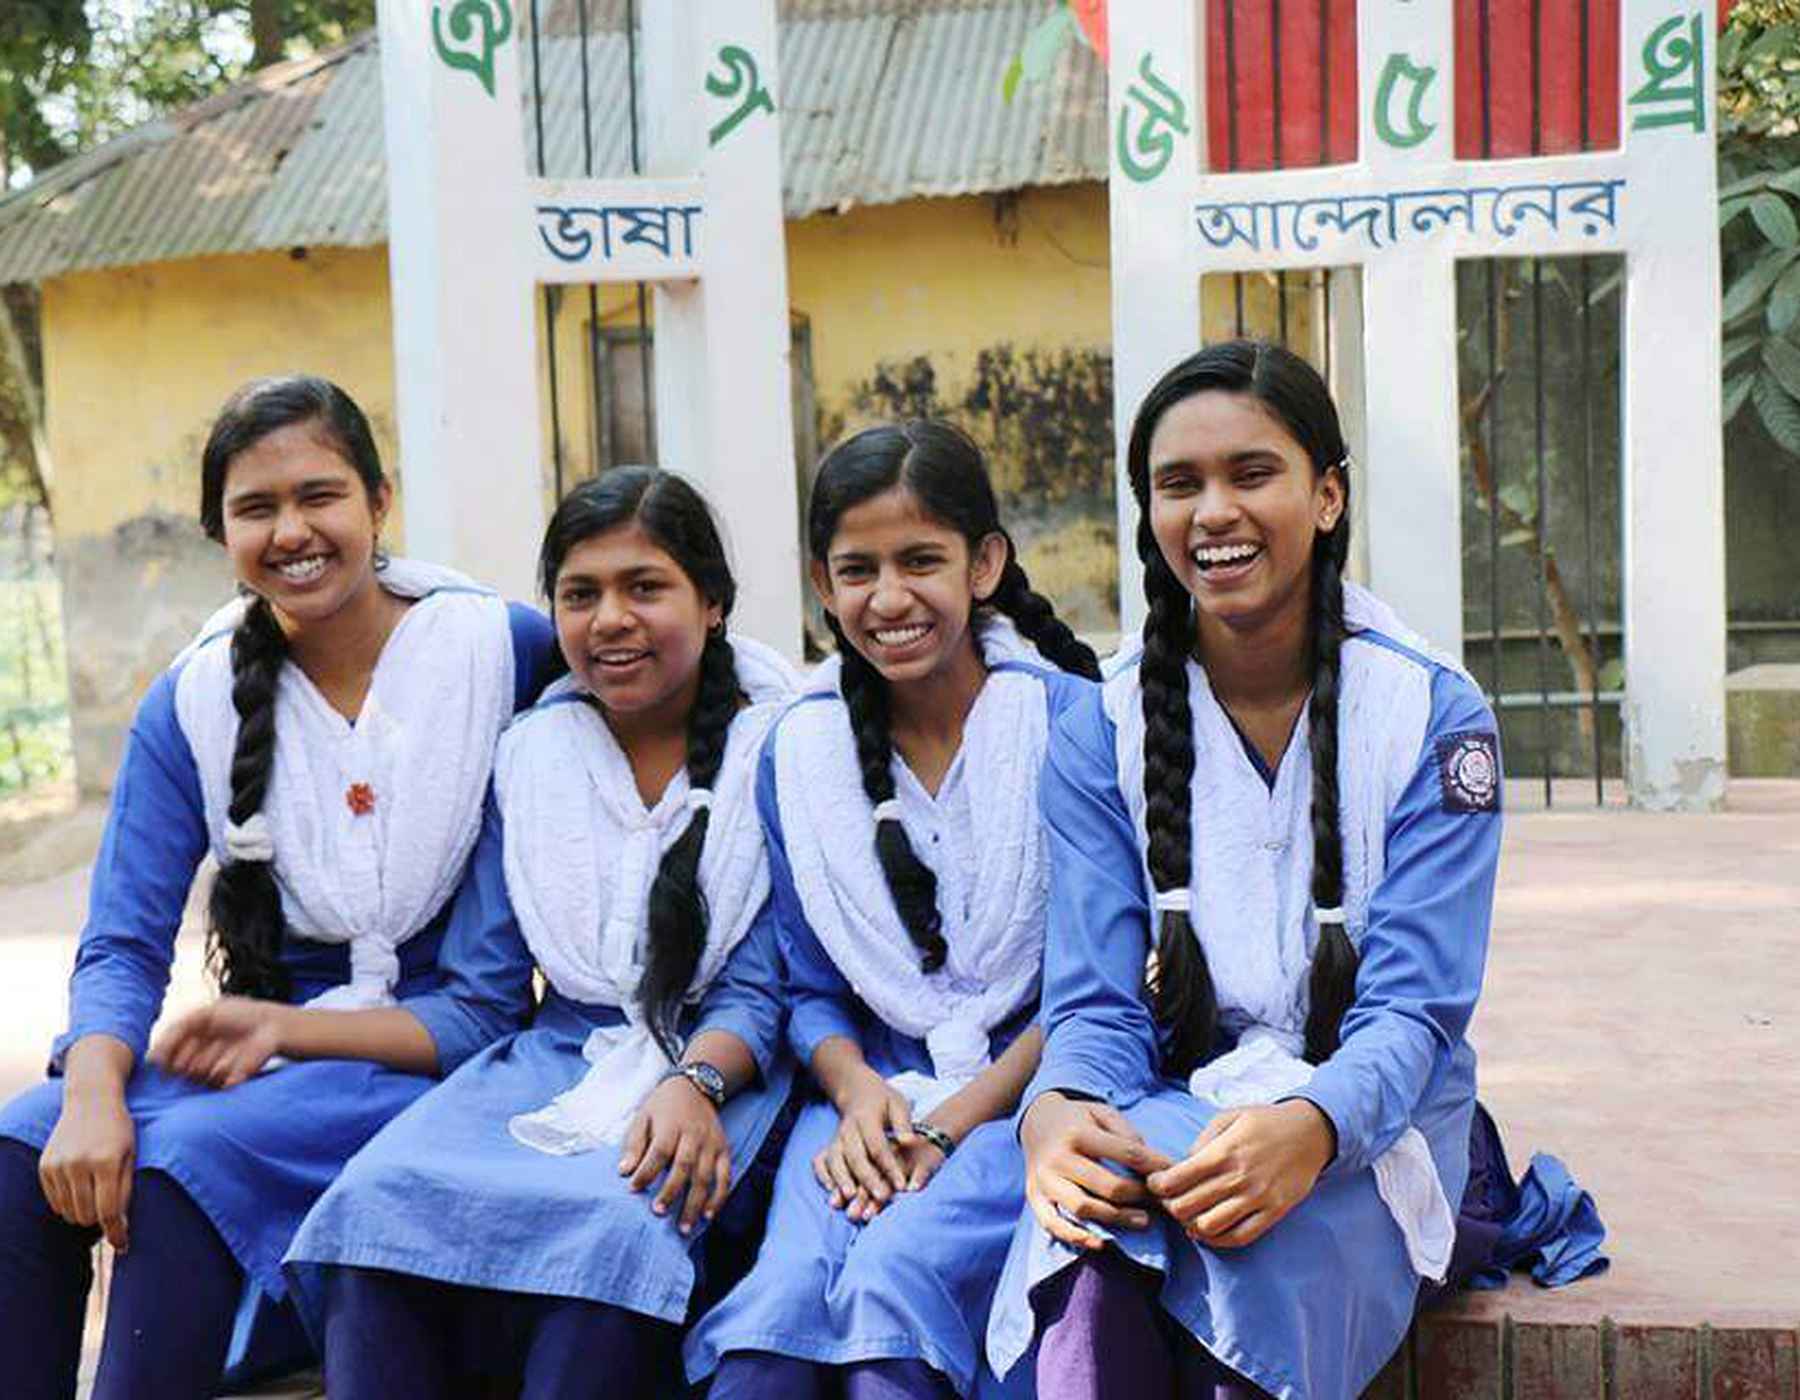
(946, 277)
(137, 361)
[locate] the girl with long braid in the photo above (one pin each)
(545, 1211)
(1273, 844)
(909, 875)
(328, 740)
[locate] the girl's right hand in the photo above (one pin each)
(224, 1044)
(86, 1167)
(873, 1118)
(1066, 1141)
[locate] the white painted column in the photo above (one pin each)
(1157, 133)
(723, 398)
(1674, 548)
(458, 259)
(1410, 474)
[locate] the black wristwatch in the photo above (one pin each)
(704, 1077)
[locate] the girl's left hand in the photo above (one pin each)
(678, 1129)
(1246, 1171)
(919, 1160)
(224, 1044)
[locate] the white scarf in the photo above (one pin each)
(581, 852)
(1259, 958)
(416, 761)
(996, 953)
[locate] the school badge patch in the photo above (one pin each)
(1469, 772)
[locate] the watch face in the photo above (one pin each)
(707, 1079)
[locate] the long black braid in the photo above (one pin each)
(1179, 988)
(678, 913)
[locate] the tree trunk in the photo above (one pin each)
(268, 42)
(19, 375)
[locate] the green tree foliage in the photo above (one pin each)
(44, 51)
(1759, 214)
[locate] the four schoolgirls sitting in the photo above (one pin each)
(1051, 1034)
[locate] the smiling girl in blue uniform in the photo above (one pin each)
(899, 797)
(541, 1214)
(1240, 1168)
(328, 740)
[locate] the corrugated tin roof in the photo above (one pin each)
(885, 100)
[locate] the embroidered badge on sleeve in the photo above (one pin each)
(1469, 772)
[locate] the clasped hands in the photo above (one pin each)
(1244, 1172)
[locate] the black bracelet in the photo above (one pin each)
(936, 1136)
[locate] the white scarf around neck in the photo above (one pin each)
(416, 762)
(581, 852)
(995, 956)
(1260, 970)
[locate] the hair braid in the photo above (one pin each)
(677, 906)
(245, 923)
(909, 879)
(1036, 619)
(1180, 990)
(1332, 985)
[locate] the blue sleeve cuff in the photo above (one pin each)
(1336, 1101)
(746, 1028)
(813, 1021)
(457, 1035)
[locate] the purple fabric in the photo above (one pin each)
(46, 1269)
(173, 1300)
(895, 1379)
(399, 1337)
(765, 1375)
(1104, 1336)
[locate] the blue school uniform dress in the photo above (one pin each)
(365, 890)
(1317, 1305)
(915, 1282)
(506, 1175)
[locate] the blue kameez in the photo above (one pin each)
(445, 1192)
(1316, 1306)
(916, 1282)
(255, 1157)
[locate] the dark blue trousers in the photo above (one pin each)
(391, 1336)
(174, 1294)
(762, 1375)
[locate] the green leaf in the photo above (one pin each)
(1782, 360)
(1784, 301)
(1736, 391)
(1729, 209)
(1737, 346)
(1779, 413)
(1748, 291)
(1779, 39)
(1516, 537)
(1044, 43)
(1517, 498)
(1775, 219)
(1750, 184)
(1612, 674)
(1010, 83)
(1788, 181)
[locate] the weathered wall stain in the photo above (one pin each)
(1043, 419)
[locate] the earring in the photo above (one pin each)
(380, 559)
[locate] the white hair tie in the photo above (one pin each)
(1333, 915)
(887, 811)
(700, 799)
(251, 840)
(1175, 901)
